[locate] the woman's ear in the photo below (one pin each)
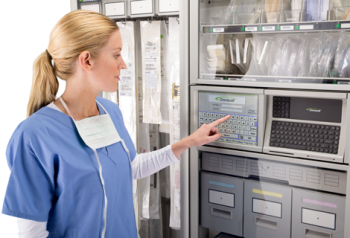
(85, 60)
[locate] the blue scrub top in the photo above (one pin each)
(55, 178)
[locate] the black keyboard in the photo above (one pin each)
(281, 107)
(304, 136)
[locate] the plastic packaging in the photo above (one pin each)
(237, 53)
(154, 197)
(127, 83)
(217, 58)
(174, 69)
(286, 58)
(272, 11)
(342, 48)
(127, 90)
(165, 103)
(325, 64)
(260, 62)
(316, 10)
(227, 15)
(344, 69)
(154, 208)
(143, 142)
(291, 10)
(175, 212)
(150, 38)
(312, 54)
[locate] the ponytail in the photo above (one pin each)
(45, 84)
(78, 31)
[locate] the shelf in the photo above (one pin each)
(277, 27)
(280, 79)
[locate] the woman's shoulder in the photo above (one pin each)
(30, 127)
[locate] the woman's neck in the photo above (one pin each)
(80, 99)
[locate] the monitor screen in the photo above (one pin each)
(242, 127)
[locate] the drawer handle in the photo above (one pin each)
(221, 213)
(316, 234)
(262, 222)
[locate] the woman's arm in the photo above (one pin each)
(31, 229)
(149, 163)
(205, 134)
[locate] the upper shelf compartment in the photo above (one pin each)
(237, 16)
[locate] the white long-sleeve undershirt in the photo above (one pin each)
(142, 166)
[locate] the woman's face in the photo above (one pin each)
(109, 63)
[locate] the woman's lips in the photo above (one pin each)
(117, 77)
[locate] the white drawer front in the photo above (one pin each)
(91, 7)
(317, 218)
(225, 199)
(115, 9)
(267, 208)
(141, 7)
(169, 6)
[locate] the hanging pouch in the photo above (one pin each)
(151, 71)
(174, 69)
(165, 103)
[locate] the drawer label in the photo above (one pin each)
(317, 218)
(220, 198)
(267, 208)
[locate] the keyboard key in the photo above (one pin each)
(296, 147)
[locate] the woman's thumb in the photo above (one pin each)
(215, 137)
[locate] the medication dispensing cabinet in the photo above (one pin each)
(281, 70)
(123, 9)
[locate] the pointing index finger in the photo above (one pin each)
(221, 120)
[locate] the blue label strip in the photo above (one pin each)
(226, 185)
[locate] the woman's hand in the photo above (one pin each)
(205, 134)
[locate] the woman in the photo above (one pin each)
(72, 160)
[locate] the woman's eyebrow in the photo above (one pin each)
(119, 48)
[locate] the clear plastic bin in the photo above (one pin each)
(291, 16)
(247, 18)
(271, 17)
(341, 13)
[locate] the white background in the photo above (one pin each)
(25, 29)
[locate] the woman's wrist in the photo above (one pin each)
(179, 147)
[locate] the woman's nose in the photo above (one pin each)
(122, 64)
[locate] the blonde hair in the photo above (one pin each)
(76, 32)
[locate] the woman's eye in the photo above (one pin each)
(116, 56)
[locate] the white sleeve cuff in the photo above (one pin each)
(31, 229)
(149, 163)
